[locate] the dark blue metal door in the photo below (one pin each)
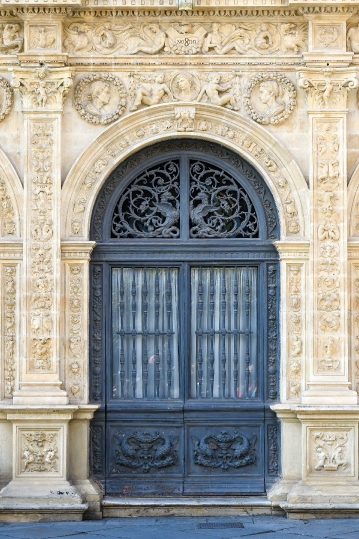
(184, 326)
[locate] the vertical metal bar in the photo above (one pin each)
(211, 313)
(122, 329)
(247, 355)
(223, 332)
(144, 333)
(157, 337)
(169, 330)
(235, 333)
(134, 355)
(199, 334)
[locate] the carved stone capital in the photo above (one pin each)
(327, 89)
(42, 89)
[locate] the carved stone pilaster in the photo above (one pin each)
(327, 91)
(43, 91)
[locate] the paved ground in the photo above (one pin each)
(259, 527)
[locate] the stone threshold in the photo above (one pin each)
(188, 506)
(320, 510)
(41, 512)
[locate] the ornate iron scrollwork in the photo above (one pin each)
(149, 207)
(224, 450)
(219, 206)
(145, 451)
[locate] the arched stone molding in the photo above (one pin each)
(353, 201)
(206, 122)
(11, 201)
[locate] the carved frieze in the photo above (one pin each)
(269, 98)
(39, 451)
(295, 328)
(185, 38)
(100, 98)
(11, 38)
(10, 329)
(6, 98)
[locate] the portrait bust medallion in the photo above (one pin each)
(100, 98)
(185, 86)
(269, 98)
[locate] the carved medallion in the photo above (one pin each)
(224, 450)
(269, 98)
(100, 98)
(185, 86)
(145, 451)
(6, 98)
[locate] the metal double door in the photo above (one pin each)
(187, 409)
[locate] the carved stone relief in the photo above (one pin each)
(327, 36)
(355, 325)
(327, 90)
(10, 329)
(269, 98)
(41, 88)
(295, 328)
(8, 225)
(39, 451)
(75, 332)
(11, 40)
(41, 246)
(224, 450)
(353, 39)
(184, 117)
(168, 125)
(183, 38)
(42, 37)
(6, 98)
(330, 451)
(100, 98)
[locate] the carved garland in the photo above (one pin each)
(9, 279)
(100, 98)
(134, 135)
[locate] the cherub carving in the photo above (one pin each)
(216, 92)
(152, 90)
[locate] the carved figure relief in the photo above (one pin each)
(39, 452)
(75, 331)
(148, 89)
(221, 90)
(353, 39)
(43, 37)
(269, 98)
(185, 86)
(42, 90)
(330, 451)
(224, 450)
(146, 451)
(185, 39)
(11, 42)
(327, 92)
(9, 298)
(6, 98)
(100, 98)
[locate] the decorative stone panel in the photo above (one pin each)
(40, 452)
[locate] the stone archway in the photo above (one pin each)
(206, 122)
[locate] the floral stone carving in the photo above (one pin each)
(145, 451)
(330, 451)
(269, 98)
(100, 98)
(6, 98)
(224, 450)
(10, 40)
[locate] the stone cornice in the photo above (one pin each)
(75, 250)
(289, 250)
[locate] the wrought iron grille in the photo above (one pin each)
(216, 203)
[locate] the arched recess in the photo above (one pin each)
(353, 200)
(206, 122)
(11, 197)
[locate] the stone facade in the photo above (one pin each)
(85, 84)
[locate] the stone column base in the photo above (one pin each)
(92, 495)
(40, 502)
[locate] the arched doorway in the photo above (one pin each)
(184, 324)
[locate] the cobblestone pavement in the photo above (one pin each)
(257, 527)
